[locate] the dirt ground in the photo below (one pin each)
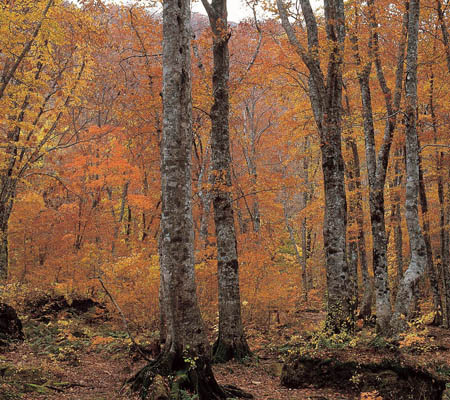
(68, 358)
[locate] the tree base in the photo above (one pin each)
(184, 377)
(225, 351)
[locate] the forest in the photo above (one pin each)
(197, 208)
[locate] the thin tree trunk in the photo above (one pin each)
(3, 252)
(444, 30)
(301, 258)
(444, 212)
(205, 198)
(367, 281)
(444, 267)
(353, 231)
(304, 260)
(437, 303)
(396, 217)
(231, 342)
(418, 261)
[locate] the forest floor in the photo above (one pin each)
(85, 357)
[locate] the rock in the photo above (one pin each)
(47, 307)
(392, 380)
(10, 325)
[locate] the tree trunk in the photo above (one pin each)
(437, 303)
(355, 166)
(186, 352)
(444, 209)
(205, 199)
(353, 231)
(367, 281)
(418, 261)
(231, 342)
(444, 218)
(326, 97)
(301, 258)
(3, 253)
(304, 261)
(376, 198)
(6, 204)
(396, 216)
(377, 165)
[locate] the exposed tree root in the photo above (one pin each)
(184, 375)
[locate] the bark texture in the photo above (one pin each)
(444, 265)
(231, 342)
(353, 171)
(437, 303)
(186, 353)
(325, 94)
(444, 207)
(377, 164)
(396, 216)
(418, 261)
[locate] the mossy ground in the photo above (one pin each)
(82, 357)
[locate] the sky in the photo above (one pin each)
(237, 9)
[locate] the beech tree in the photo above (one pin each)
(325, 93)
(186, 351)
(377, 163)
(418, 260)
(231, 342)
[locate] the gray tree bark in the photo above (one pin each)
(437, 303)
(396, 216)
(444, 205)
(326, 96)
(377, 164)
(231, 342)
(186, 345)
(354, 175)
(444, 236)
(418, 261)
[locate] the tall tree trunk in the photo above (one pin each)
(205, 198)
(444, 207)
(231, 342)
(367, 281)
(396, 216)
(304, 261)
(3, 252)
(418, 261)
(326, 97)
(377, 165)
(437, 303)
(301, 258)
(444, 265)
(186, 347)
(444, 31)
(353, 231)
(445, 247)
(356, 199)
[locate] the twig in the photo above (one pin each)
(124, 320)
(435, 145)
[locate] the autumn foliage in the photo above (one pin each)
(81, 127)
